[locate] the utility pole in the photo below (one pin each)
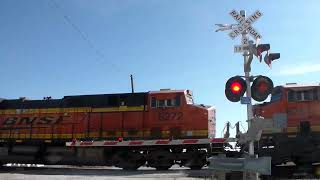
(132, 87)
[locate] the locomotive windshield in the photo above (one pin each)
(276, 94)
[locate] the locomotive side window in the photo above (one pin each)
(169, 102)
(315, 94)
(302, 95)
(165, 102)
(153, 102)
(161, 103)
(299, 96)
(307, 95)
(172, 102)
(178, 100)
(291, 96)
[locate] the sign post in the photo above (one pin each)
(249, 49)
(243, 28)
(248, 175)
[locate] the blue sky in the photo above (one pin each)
(164, 44)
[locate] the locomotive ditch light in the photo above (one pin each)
(235, 88)
(261, 88)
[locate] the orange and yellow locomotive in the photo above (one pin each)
(36, 131)
(155, 114)
(295, 112)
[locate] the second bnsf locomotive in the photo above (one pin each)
(157, 128)
(295, 112)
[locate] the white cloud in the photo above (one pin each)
(299, 69)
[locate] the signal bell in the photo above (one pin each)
(261, 88)
(235, 88)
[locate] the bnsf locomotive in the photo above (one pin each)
(157, 128)
(295, 112)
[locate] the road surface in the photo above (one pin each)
(99, 173)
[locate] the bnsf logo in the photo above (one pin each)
(32, 120)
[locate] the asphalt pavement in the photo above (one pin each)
(99, 173)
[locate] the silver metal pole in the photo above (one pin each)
(248, 93)
(248, 175)
(249, 108)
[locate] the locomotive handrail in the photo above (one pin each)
(157, 142)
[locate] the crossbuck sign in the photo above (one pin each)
(245, 25)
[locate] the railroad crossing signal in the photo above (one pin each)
(258, 50)
(235, 88)
(243, 27)
(271, 57)
(240, 48)
(261, 88)
(245, 24)
(249, 49)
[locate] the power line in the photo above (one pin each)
(84, 36)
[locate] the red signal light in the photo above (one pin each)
(261, 88)
(235, 88)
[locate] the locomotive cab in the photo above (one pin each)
(173, 114)
(292, 104)
(274, 106)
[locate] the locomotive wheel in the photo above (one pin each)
(161, 159)
(197, 159)
(128, 160)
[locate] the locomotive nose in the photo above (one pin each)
(211, 114)
(211, 121)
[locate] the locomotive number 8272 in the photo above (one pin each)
(156, 128)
